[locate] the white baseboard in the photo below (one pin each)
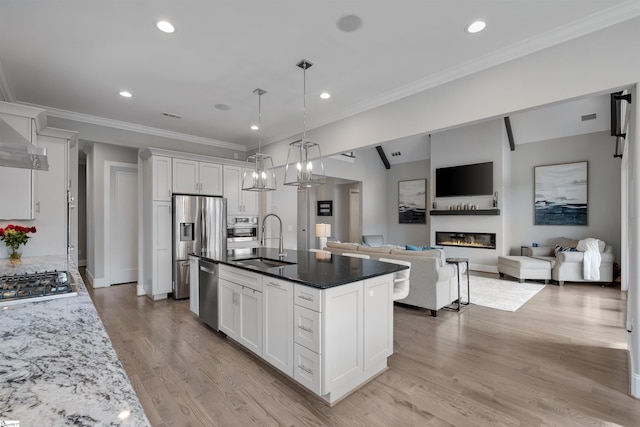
(140, 290)
(97, 282)
(634, 379)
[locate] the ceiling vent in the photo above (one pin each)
(396, 154)
(587, 117)
(171, 115)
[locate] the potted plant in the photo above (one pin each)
(14, 236)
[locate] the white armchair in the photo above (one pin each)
(568, 266)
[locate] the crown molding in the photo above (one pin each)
(132, 127)
(625, 11)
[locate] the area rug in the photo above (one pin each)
(505, 295)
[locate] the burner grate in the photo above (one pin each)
(33, 285)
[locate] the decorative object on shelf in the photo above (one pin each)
(412, 201)
(561, 194)
(14, 236)
(325, 208)
(258, 174)
(304, 167)
(495, 199)
(322, 232)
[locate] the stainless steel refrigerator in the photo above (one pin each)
(199, 227)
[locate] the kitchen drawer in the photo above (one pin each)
(307, 368)
(241, 277)
(307, 328)
(306, 296)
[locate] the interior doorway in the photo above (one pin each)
(121, 223)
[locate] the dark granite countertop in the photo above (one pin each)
(308, 268)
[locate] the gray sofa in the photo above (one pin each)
(567, 266)
(433, 282)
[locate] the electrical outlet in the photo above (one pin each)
(289, 227)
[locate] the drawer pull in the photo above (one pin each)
(277, 285)
(305, 329)
(306, 298)
(304, 368)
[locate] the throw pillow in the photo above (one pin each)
(414, 248)
(559, 249)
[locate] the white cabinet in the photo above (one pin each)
(240, 307)
(194, 288)
(278, 321)
(193, 177)
(378, 320)
(161, 178)
(329, 340)
(16, 183)
(50, 199)
(238, 201)
(162, 250)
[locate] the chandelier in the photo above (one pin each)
(304, 167)
(259, 174)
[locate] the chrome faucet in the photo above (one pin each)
(263, 238)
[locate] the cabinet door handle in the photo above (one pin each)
(304, 368)
(306, 298)
(277, 285)
(305, 329)
(38, 207)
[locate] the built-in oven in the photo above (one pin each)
(242, 229)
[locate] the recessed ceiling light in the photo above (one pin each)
(325, 95)
(223, 107)
(165, 27)
(476, 27)
(255, 127)
(125, 94)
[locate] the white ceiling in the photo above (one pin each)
(74, 56)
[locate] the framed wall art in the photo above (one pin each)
(560, 194)
(325, 208)
(412, 201)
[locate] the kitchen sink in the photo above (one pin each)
(260, 262)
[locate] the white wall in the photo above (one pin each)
(603, 190)
(477, 143)
(367, 168)
(403, 234)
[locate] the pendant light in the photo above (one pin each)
(259, 174)
(304, 161)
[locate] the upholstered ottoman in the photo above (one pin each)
(523, 268)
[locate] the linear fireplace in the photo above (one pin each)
(466, 240)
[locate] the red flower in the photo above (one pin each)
(33, 229)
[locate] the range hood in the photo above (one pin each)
(17, 152)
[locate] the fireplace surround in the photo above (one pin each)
(466, 239)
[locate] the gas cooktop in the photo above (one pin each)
(35, 286)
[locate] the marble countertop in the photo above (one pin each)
(57, 364)
(314, 269)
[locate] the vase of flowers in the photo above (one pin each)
(14, 236)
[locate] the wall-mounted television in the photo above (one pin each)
(465, 180)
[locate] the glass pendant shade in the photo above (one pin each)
(258, 174)
(304, 165)
(304, 161)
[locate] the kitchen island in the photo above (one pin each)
(324, 320)
(57, 363)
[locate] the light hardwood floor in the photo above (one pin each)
(559, 360)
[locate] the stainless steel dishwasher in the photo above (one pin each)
(208, 287)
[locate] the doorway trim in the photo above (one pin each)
(108, 168)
